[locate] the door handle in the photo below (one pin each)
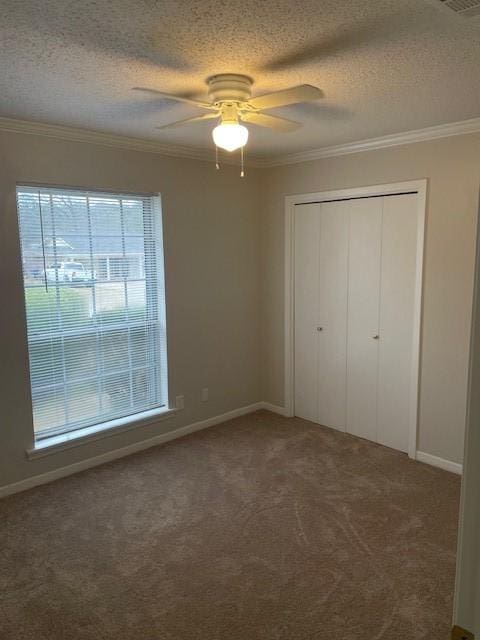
(319, 328)
(377, 337)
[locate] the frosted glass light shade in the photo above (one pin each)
(230, 136)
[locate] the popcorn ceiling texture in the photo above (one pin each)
(385, 67)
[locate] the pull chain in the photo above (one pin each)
(242, 160)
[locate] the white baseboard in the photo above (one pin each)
(435, 461)
(274, 408)
(68, 470)
(62, 472)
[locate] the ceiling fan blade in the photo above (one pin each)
(302, 93)
(272, 122)
(179, 123)
(170, 96)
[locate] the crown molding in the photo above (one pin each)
(74, 134)
(194, 153)
(418, 135)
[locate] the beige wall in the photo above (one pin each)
(452, 166)
(212, 279)
(224, 243)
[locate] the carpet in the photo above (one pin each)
(261, 528)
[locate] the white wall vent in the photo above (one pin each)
(462, 7)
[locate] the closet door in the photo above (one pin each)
(332, 318)
(363, 316)
(306, 249)
(397, 290)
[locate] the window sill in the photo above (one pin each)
(54, 444)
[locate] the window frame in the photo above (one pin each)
(67, 435)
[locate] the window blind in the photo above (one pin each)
(95, 306)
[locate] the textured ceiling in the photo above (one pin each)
(385, 66)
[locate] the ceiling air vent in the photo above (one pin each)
(462, 7)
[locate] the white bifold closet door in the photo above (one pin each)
(355, 266)
(363, 309)
(332, 314)
(307, 254)
(321, 277)
(396, 384)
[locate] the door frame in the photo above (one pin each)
(466, 608)
(412, 186)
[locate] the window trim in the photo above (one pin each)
(85, 435)
(54, 441)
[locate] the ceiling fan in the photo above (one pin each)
(231, 103)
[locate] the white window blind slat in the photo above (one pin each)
(95, 305)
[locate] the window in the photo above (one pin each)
(95, 306)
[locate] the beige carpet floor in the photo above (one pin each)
(261, 528)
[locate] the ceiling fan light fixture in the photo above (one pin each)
(230, 100)
(230, 136)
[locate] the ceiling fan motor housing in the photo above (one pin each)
(229, 87)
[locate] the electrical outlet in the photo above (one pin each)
(204, 395)
(180, 403)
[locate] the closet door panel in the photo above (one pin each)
(332, 340)
(397, 290)
(306, 249)
(363, 310)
